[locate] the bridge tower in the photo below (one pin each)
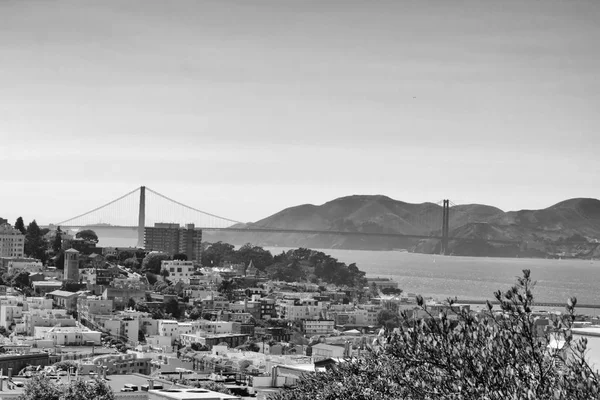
(445, 226)
(142, 217)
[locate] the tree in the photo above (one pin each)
(57, 243)
(87, 235)
(153, 262)
(164, 273)
(172, 307)
(20, 225)
(95, 389)
(40, 387)
(131, 262)
(180, 257)
(215, 387)
(461, 356)
(141, 336)
(216, 253)
(35, 245)
(124, 255)
(131, 303)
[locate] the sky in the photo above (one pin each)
(243, 108)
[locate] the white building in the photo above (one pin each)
(178, 270)
(68, 336)
(12, 241)
(47, 318)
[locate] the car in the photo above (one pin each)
(19, 384)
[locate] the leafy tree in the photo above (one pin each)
(20, 225)
(124, 255)
(216, 253)
(260, 257)
(66, 365)
(87, 235)
(195, 313)
(35, 245)
(95, 389)
(388, 319)
(153, 262)
(131, 303)
(164, 273)
(59, 263)
(461, 356)
(4, 332)
(40, 387)
(394, 291)
(152, 278)
(215, 387)
(180, 257)
(198, 347)
(141, 336)
(57, 243)
(131, 262)
(172, 307)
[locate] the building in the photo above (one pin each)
(120, 364)
(64, 299)
(172, 239)
(382, 283)
(68, 336)
(232, 340)
(178, 270)
(46, 318)
(43, 287)
(317, 327)
(12, 241)
(71, 271)
(25, 266)
(125, 328)
(89, 306)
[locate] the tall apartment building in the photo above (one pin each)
(12, 241)
(171, 239)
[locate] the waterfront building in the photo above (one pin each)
(12, 241)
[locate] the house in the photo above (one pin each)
(64, 299)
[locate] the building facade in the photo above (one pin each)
(12, 241)
(71, 271)
(172, 239)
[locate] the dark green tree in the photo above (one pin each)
(180, 257)
(153, 262)
(57, 243)
(141, 336)
(124, 255)
(164, 273)
(35, 245)
(217, 253)
(260, 257)
(20, 225)
(172, 307)
(88, 235)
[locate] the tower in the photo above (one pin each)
(445, 226)
(142, 217)
(71, 271)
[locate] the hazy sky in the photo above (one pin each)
(242, 108)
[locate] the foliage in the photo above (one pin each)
(217, 253)
(215, 387)
(87, 235)
(388, 319)
(180, 257)
(124, 255)
(172, 307)
(72, 286)
(152, 278)
(462, 356)
(4, 332)
(141, 336)
(66, 365)
(40, 387)
(131, 303)
(131, 262)
(198, 347)
(59, 263)
(394, 291)
(57, 243)
(35, 245)
(164, 273)
(260, 257)
(20, 225)
(153, 262)
(195, 313)
(17, 279)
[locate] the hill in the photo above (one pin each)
(568, 228)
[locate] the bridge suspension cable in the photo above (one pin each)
(192, 208)
(65, 222)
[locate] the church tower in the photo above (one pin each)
(71, 271)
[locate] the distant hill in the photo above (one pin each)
(560, 230)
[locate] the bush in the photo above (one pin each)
(463, 356)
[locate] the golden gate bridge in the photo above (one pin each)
(144, 206)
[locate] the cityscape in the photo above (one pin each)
(299, 200)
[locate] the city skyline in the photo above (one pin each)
(244, 110)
